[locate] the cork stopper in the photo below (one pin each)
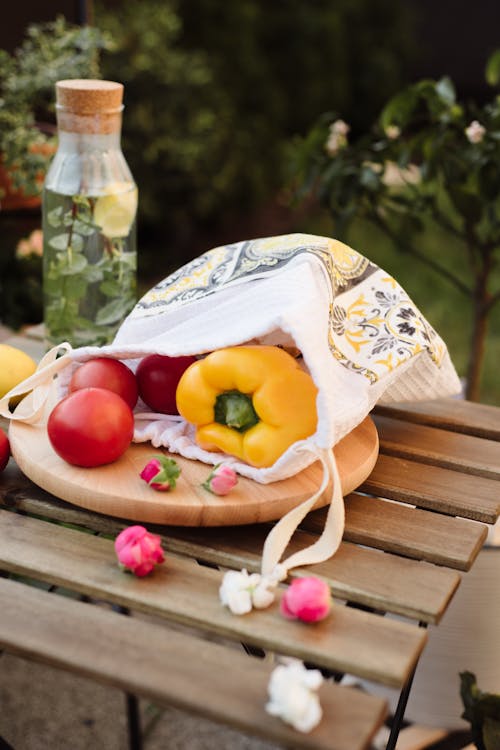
(89, 106)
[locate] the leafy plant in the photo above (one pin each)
(211, 98)
(84, 301)
(173, 124)
(49, 52)
(482, 710)
(428, 160)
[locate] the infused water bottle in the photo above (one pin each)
(89, 218)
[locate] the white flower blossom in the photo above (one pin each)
(262, 596)
(475, 132)
(241, 591)
(293, 695)
(392, 132)
(396, 176)
(337, 137)
(340, 127)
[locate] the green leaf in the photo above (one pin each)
(482, 711)
(446, 90)
(60, 241)
(491, 733)
(399, 109)
(470, 694)
(369, 179)
(492, 71)
(168, 473)
(51, 284)
(77, 264)
(93, 274)
(76, 243)
(110, 288)
(81, 201)
(54, 217)
(75, 287)
(129, 260)
(112, 312)
(84, 227)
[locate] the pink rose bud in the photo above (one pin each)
(308, 599)
(221, 480)
(161, 473)
(138, 550)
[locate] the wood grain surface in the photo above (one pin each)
(453, 414)
(117, 490)
(349, 640)
(402, 586)
(439, 447)
(435, 488)
(171, 667)
(404, 530)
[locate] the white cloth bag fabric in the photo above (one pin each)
(361, 338)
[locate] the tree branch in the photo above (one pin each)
(492, 302)
(442, 270)
(445, 223)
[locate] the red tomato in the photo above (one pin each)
(157, 378)
(111, 374)
(4, 450)
(91, 427)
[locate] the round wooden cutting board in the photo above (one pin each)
(117, 489)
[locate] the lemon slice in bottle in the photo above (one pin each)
(114, 212)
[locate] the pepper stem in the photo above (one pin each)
(235, 409)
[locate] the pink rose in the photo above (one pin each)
(161, 473)
(138, 550)
(221, 480)
(308, 599)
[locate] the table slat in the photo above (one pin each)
(443, 490)
(404, 587)
(413, 589)
(349, 640)
(412, 532)
(430, 445)
(449, 413)
(171, 667)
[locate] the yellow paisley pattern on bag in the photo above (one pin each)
(374, 327)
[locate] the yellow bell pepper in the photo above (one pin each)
(252, 402)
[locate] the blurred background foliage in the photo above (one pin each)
(214, 91)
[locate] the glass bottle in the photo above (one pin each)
(89, 218)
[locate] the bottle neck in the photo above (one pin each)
(85, 142)
(87, 163)
(102, 122)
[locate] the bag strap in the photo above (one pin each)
(40, 383)
(331, 536)
(241, 592)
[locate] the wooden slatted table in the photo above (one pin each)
(416, 523)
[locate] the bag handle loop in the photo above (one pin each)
(40, 383)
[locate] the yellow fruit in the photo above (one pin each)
(15, 366)
(115, 211)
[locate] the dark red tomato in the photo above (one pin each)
(111, 374)
(4, 450)
(91, 427)
(157, 378)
